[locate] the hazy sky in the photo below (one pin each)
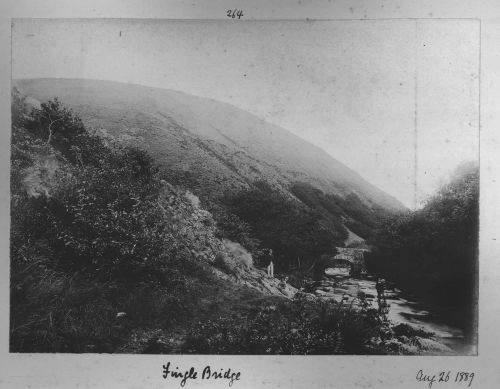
(358, 89)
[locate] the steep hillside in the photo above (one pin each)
(101, 245)
(107, 255)
(214, 146)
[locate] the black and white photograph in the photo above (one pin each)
(295, 187)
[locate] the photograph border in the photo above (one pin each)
(138, 371)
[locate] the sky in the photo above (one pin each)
(395, 100)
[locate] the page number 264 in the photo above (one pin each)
(234, 13)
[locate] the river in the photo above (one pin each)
(338, 285)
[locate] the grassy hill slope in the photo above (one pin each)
(213, 145)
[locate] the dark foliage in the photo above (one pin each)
(316, 198)
(433, 251)
(359, 217)
(290, 327)
(232, 227)
(94, 231)
(292, 230)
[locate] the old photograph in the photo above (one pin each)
(216, 187)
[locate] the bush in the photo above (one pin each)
(241, 256)
(232, 227)
(289, 327)
(102, 210)
(101, 222)
(407, 330)
(95, 233)
(225, 263)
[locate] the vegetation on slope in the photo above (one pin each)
(222, 154)
(213, 145)
(106, 256)
(295, 232)
(298, 327)
(350, 210)
(89, 238)
(433, 251)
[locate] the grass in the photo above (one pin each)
(300, 326)
(54, 312)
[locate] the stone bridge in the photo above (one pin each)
(355, 258)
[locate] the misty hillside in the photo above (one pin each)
(162, 223)
(213, 146)
(108, 256)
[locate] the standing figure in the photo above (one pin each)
(383, 307)
(270, 266)
(380, 286)
(270, 269)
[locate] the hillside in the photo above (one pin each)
(213, 146)
(104, 252)
(108, 255)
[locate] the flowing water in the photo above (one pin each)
(338, 285)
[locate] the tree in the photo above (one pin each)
(287, 226)
(433, 251)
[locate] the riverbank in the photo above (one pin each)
(338, 286)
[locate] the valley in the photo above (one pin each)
(143, 221)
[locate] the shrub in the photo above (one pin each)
(225, 263)
(53, 311)
(240, 255)
(100, 233)
(289, 327)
